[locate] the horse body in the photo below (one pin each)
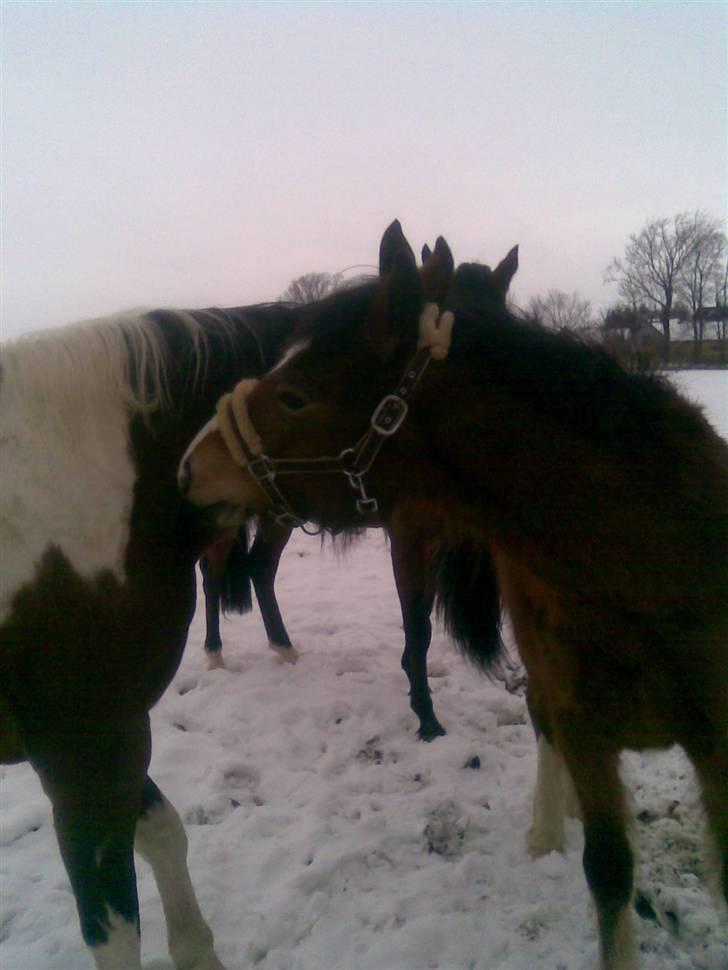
(601, 499)
(98, 588)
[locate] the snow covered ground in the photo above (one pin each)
(324, 836)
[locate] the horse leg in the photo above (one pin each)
(709, 756)
(270, 541)
(554, 795)
(161, 841)
(549, 802)
(95, 785)
(410, 561)
(608, 862)
(213, 641)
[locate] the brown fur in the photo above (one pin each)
(602, 499)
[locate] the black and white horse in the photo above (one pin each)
(98, 588)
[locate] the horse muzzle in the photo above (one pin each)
(213, 469)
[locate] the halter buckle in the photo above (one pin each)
(389, 415)
(267, 474)
(367, 506)
(290, 519)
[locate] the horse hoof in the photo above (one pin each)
(215, 661)
(209, 962)
(288, 655)
(431, 731)
(540, 845)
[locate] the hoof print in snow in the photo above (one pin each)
(648, 816)
(445, 830)
(644, 908)
(371, 752)
(213, 812)
(197, 816)
(238, 783)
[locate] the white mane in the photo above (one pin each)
(79, 366)
(68, 476)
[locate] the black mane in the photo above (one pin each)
(202, 347)
(564, 375)
(338, 316)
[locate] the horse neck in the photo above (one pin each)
(581, 492)
(512, 470)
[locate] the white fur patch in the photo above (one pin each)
(293, 351)
(204, 431)
(547, 830)
(67, 475)
(160, 840)
(121, 951)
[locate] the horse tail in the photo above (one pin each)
(468, 602)
(236, 594)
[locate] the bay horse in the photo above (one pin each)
(98, 588)
(601, 498)
(426, 565)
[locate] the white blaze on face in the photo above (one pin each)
(205, 430)
(293, 351)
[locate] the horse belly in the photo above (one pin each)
(587, 666)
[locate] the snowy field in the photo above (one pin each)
(324, 836)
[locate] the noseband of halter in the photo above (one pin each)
(246, 448)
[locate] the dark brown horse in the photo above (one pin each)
(600, 497)
(425, 565)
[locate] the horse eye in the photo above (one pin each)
(292, 401)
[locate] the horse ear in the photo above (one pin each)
(393, 243)
(437, 272)
(426, 253)
(505, 271)
(392, 327)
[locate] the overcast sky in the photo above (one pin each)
(200, 153)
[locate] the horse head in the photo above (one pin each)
(339, 393)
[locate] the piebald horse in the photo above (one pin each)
(98, 588)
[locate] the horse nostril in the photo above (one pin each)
(184, 477)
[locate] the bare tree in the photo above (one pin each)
(698, 276)
(562, 311)
(720, 282)
(629, 335)
(311, 287)
(653, 263)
